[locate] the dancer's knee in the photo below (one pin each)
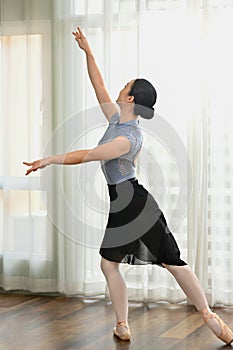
(108, 267)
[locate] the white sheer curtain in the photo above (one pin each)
(210, 145)
(181, 46)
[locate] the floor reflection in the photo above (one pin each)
(121, 344)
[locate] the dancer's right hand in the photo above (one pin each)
(81, 40)
(37, 164)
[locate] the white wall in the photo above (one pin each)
(16, 10)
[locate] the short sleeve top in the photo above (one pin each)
(122, 168)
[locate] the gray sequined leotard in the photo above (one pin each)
(122, 168)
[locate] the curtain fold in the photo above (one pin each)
(53, 222)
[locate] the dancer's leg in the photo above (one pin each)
(117, 289)
(189, 283)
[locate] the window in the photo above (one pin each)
(216, 3)
(26, 111)
(82, 7)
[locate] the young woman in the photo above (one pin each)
(136, 231)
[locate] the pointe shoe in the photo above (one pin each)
(226, 335)
(124, 336)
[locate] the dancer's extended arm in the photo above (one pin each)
(106, 103)
(110, 150)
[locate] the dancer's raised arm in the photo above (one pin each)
(107, 105)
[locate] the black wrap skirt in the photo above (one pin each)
(136, 231)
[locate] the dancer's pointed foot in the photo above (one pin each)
(122, 330)
(223, 332)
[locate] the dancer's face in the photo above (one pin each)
(124, 93)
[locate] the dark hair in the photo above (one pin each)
(145, 97)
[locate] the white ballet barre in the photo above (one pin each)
(20, 183)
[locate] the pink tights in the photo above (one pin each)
(184, 276)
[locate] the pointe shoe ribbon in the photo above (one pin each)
(226, 335)
(124, 336)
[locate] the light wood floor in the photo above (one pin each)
(31, 322)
